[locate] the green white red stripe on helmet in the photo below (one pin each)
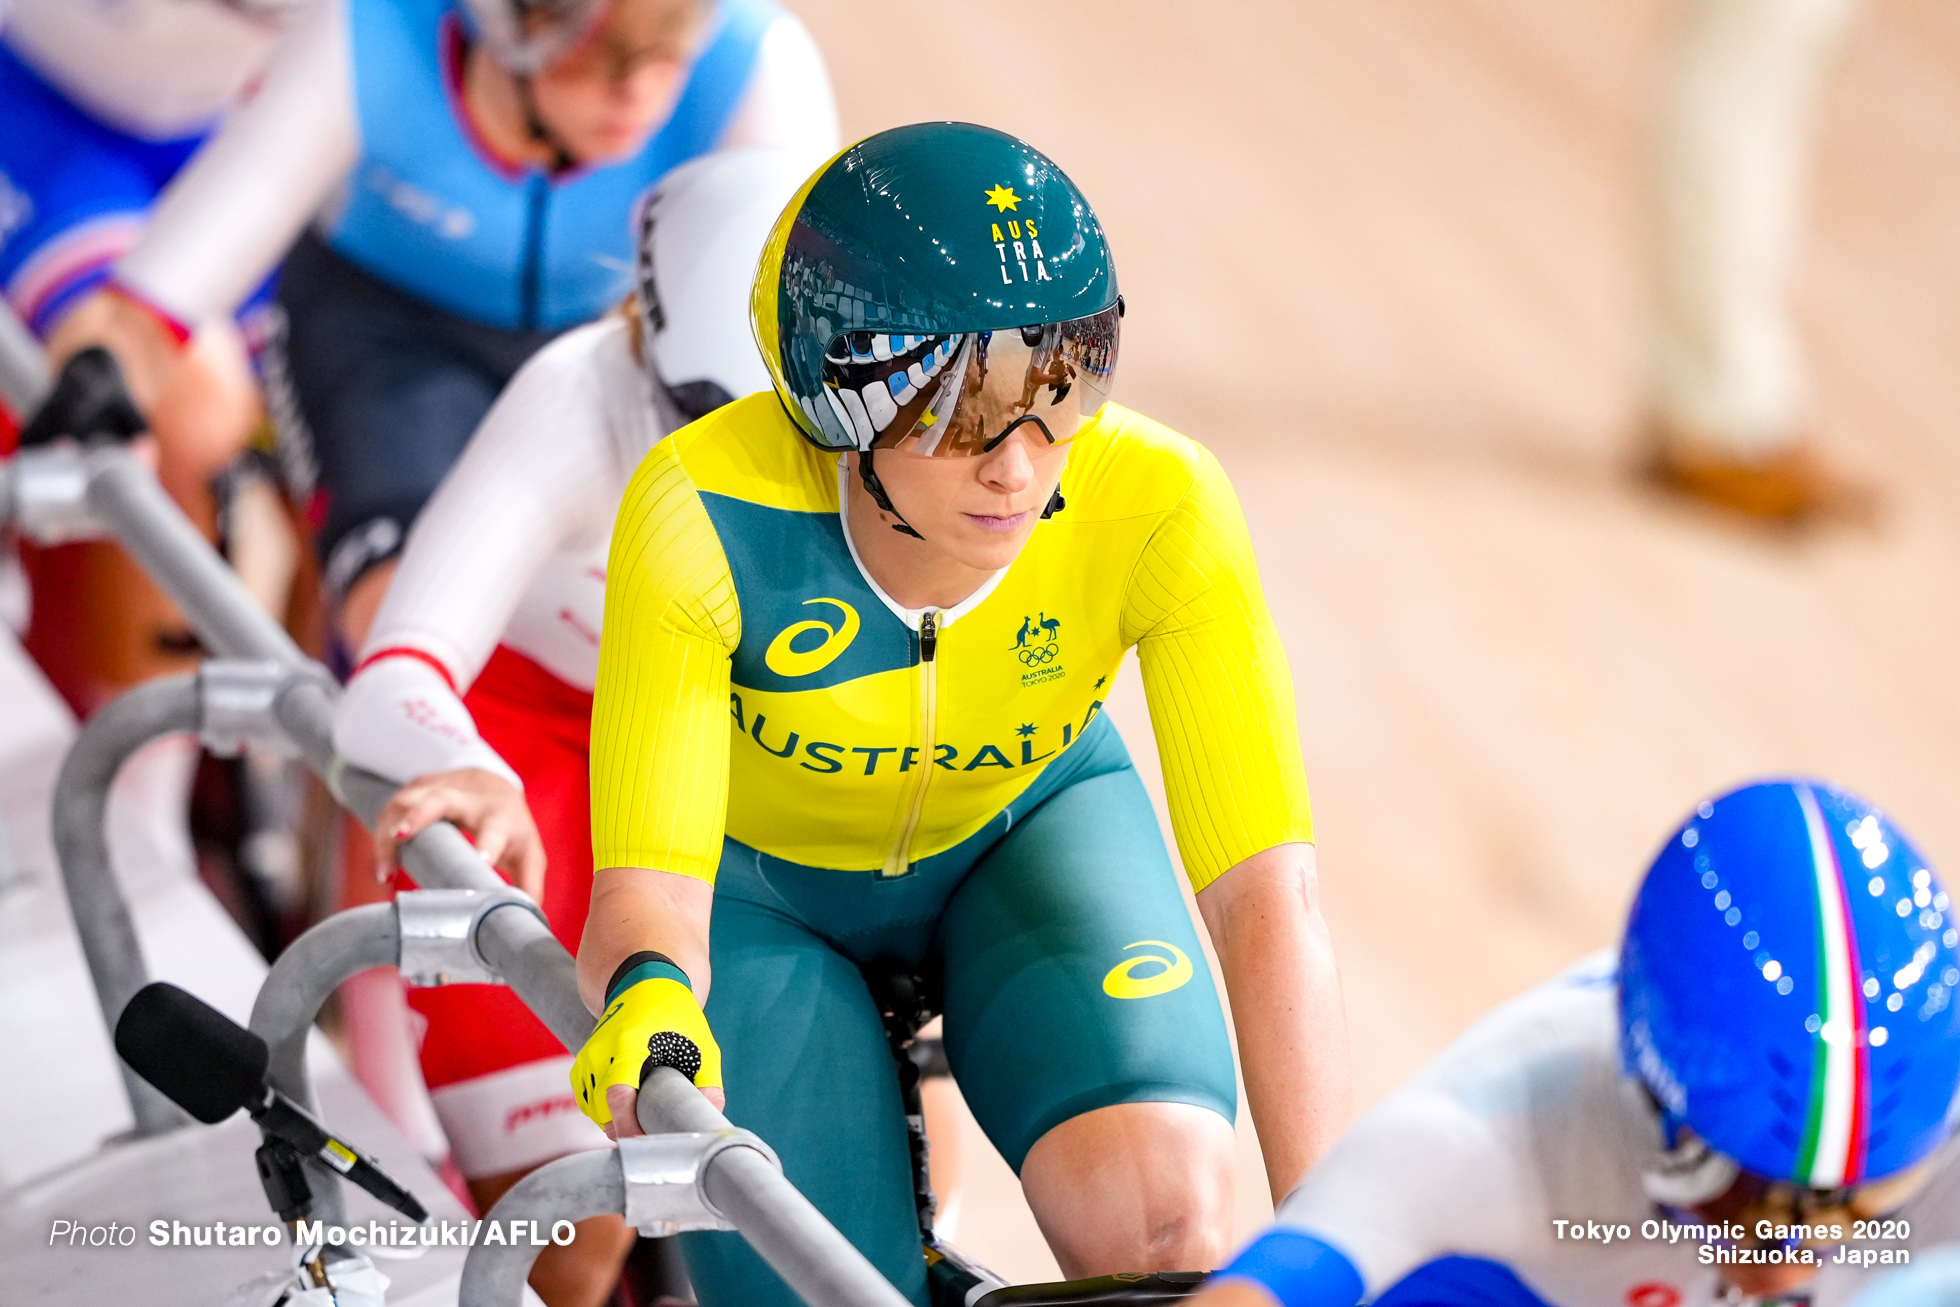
(1832, 1152)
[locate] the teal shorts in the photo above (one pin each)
(1071, 979)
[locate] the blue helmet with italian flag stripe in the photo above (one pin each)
(1787, 987)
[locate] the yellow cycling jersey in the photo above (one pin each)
(754, 682)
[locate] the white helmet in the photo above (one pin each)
(272, 11)
(701, 237)
(525, 35)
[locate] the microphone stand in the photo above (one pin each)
(282, 1173)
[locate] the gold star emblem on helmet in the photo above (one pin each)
(1003, 198)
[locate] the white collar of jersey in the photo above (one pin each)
(909, 616)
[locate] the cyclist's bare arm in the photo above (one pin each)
(633, 910)
(1285, 990)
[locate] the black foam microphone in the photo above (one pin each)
(209, 1065)
(199, 1058)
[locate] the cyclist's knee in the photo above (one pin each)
(1134, 1187)
(577, 1274)
(583, 1272)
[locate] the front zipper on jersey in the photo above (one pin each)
(899, 861)
(530, 286)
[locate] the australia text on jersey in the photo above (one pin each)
(785, 741)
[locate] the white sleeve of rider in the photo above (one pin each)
(788, 102)
(229, 216)
(399, 719)
(546, 462)
(1416, 1178)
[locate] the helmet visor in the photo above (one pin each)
(958, 395)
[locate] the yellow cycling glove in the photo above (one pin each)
(651, 1020)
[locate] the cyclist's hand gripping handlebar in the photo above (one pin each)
(651, 1020)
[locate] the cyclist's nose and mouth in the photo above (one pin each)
(980, 509)
(1023, 468)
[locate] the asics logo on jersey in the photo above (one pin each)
(1172, 972)
(785, 659)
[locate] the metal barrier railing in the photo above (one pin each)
(694, 1171)
(81, 840)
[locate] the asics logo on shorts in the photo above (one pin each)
(785, 659)
(1171, 972)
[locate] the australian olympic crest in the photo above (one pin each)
(1037, 644)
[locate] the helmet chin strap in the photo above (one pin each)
(882, 498)
(879, 496)
(562, 158)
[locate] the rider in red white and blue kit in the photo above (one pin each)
(1754, 1100)
(104, 103)
(457, 182)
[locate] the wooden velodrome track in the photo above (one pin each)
(1382, 257)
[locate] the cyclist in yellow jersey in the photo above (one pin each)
(857, 637)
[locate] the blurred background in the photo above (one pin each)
(1387, 261)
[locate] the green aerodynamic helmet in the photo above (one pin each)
(933, 289)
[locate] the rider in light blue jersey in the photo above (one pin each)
(434, 213)
(471, 170)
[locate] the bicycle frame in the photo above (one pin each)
(906, 1002)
